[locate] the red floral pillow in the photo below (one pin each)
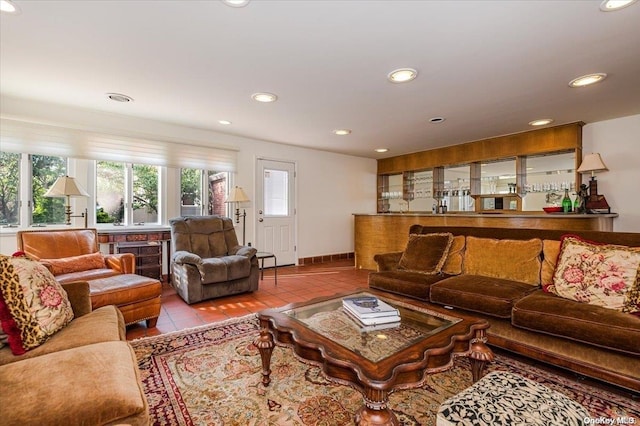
(600, 274)
(33, 305)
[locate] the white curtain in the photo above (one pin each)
(45, 139)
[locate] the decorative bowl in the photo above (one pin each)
(552, 209)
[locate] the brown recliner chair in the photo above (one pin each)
(207, 260)
(73, 255)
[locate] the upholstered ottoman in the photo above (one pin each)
(502, 398)
(137, 297)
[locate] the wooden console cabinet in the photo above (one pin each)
(148, 257)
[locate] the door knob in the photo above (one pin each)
(260, 220)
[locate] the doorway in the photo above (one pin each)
(275, 210)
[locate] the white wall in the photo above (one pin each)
(618, 142)
(330, 187)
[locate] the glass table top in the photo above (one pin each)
(372, 342)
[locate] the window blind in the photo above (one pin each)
(45, 139)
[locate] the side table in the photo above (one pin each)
(262, 255)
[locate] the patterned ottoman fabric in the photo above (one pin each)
(502, 398)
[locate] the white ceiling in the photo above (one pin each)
(488, 67)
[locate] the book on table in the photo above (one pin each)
(369, 307)
(375, 321)
(372, 328)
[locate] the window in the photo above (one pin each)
(276, 196)
(116, 183)
(44, 172)
(110, 178)
(218, 184)
(9, 188)
(145, 193)
(191, 192)
(203, 188)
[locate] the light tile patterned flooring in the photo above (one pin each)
(295, 284)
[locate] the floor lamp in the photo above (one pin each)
(66, 186)
(237, 195)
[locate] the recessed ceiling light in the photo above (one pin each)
(587, 80)
(264, 97)
(381, 150)
(611, 5)
(436, 119)
(541, 122)
(7, 6)
(225, 122)
(402, 75)
(119, 97)
(342, 132)
(236, 3)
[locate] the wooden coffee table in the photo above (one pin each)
(377, 362)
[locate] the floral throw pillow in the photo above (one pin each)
(33, 305)
(600, 274)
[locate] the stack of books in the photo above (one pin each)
(370, 311)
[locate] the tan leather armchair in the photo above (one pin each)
(207, 260)
(73, 255)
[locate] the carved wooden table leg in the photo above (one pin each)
(480, 355)
(375, 411)
(265, 345)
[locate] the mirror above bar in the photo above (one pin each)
(515, 173)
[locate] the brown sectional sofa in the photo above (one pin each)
(497, 273)
(85, 374)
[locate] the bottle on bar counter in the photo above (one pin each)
(566, 202)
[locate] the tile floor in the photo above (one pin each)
(295, 284)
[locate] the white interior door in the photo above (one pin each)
(275, 210)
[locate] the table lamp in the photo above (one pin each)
(595, 203)
(237, 195)
(66, 186)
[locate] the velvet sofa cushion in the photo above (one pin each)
(478, 293)
(97, 384)
(426, 253)
(516, 260)
(103, 324)
(412, 284)
(550, 314)
(604, 275)
(453, 263)
(84, 262)
(33, 305)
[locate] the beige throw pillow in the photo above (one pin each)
(516, 260)
(605, 275)
(453, 263)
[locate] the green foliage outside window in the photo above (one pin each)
(9, 172)
(44, 171)
(190, 186)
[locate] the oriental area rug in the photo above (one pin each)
(211, 375)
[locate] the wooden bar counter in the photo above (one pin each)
(387, 232)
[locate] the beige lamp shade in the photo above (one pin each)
(66, 186)
(237, 195)
(592, 163)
